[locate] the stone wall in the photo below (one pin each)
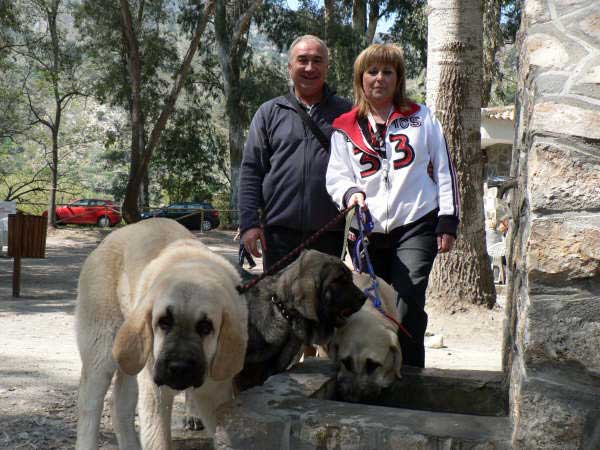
(552, 348)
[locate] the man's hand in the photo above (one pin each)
(250, 238)
(445, 242)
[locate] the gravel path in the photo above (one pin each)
(39, 362)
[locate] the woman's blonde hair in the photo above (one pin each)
(379, 54)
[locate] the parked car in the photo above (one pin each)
(189, 215)
(88, 211)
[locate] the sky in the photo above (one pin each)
(383, 25)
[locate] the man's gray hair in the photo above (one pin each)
(308, 37)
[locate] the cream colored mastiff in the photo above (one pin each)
(367, 348)
(158, 308)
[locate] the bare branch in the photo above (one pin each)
(180, 77)
(36, 114)
(243, 25)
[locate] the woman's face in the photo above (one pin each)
(379, 83)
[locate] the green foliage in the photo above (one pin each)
(99, 23)
(410, 32)
(189, 164)
(262, 81)
(510, 20)
(10, 23)
(282, 26)
(504, 87)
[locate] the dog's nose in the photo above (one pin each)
(180, 368)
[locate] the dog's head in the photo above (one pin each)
(189, 324)
(322, 292)
(368, 355)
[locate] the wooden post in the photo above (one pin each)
(14, 244)
(26, 239)
(16, 281)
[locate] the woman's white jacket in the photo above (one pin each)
(398, 188)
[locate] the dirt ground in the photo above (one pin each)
(39, 363)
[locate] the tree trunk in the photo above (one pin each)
(329, 20)
(454, 92)
(130, 209)
(231, 45)
(492, 40)
(373, 20)
(236, 147)
(51, 14)
(140, 153)
(359, 17)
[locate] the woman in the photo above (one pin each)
(389, 155)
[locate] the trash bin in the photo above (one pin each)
(26, 236)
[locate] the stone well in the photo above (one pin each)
(294, 410)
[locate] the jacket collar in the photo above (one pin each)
(348, 124)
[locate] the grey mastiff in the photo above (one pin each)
(301, 305)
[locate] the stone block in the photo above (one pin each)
(563, 249)
(585, 25)
(554, 416)
(474, 392)
(535, 11)
(587, 83)
(590, 25)
(563, 330)
(550, 83)
(242, 428)
(547, 51)
(567, 7)
(563, 178)
(555, 118)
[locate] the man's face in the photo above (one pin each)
(308, 68)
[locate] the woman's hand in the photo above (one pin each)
(358, 199)
(445, 242)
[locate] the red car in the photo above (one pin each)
(88, 211)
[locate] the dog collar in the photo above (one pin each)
(282, 309)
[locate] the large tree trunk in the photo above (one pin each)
(51, 14)
(140, 152)
(130, 209)
(454, 61)
(231, 29)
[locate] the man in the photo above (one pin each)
(284, 163)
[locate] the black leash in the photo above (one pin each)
(287, 258)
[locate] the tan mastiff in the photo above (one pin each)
(367, 349)
(158, 308)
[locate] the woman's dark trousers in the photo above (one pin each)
(404, 259)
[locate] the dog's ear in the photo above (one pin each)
(397, 352)
(134, 341)
(231, 348)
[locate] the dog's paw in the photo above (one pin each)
(192, 423)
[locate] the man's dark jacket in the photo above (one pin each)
(284, 166)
